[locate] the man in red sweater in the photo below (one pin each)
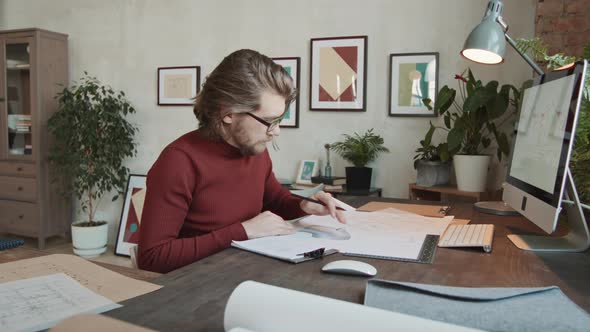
(216, 184)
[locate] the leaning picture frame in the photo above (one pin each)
(177, 86)
(307, 169)
(412, 78)
(128, 234)
(338, 74)
(292, 65)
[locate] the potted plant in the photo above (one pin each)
(432, 162)
(473, 123)
(91, 139)
(359, 150)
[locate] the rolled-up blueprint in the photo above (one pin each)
(259, 307)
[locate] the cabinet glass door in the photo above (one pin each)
(18, 99)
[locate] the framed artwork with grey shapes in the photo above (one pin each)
(412, 78)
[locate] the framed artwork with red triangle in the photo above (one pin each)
(128, 234)
(338, 74)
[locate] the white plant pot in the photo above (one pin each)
(471, 172)
(89, 241)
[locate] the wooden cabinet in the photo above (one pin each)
(33, 69)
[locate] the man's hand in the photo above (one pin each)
(267, 224)
(321, 210)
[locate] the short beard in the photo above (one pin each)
(249, 150)
(244, 145)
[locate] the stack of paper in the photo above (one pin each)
(386, 234)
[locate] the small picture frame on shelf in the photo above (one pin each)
(412, 78)
(338, 74)
(128, 234)
(177, 86)
(307, 170)
(292, 66)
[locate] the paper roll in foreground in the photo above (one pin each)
(259, 307)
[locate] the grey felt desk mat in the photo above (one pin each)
(491, 309)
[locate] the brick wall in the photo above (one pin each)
(564, 25)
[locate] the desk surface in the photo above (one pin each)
(19, 253)
(194, 297)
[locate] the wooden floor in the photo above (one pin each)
(59, 245)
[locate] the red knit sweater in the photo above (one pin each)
(198, 194)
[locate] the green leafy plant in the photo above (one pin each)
(92, 137)
(477, 117)
(580, 160)
(429, 152)
(360, 149)
(537, 49)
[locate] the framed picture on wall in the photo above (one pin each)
(292, 66)
(177, 86)
(412, 78)
(307, 169)
(338, 74)
(128, 234)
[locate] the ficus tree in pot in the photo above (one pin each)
(359, 150)
(91, 139)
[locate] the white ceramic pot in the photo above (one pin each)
(471, 172)
(89, 241)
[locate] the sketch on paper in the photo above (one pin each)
(40, 303)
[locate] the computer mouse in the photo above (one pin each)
(325, 232)
(350, 267)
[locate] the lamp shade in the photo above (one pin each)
(486, 43)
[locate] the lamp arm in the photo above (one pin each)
(512, 43)
(524, 56)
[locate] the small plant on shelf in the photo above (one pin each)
(359, 150)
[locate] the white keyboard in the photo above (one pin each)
(477, 235)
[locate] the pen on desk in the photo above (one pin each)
(315, 201)
(313, 254)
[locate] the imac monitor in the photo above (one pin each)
(538, 175)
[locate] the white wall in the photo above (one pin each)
(123, 43)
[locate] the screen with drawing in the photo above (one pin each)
(541, 131)
(539, 175)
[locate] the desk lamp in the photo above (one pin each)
(487, 44)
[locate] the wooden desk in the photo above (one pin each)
(194, 297)
(19, 253)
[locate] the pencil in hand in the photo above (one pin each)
(315, 201)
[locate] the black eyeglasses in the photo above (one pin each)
(270, 126)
